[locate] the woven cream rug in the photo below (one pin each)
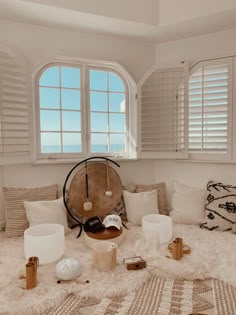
(213, 256)
(159, 297)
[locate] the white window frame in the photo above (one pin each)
(217, 156)
(131, 109)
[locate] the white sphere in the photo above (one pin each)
(108, 193)
(68, 269)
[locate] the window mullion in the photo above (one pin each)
(61, 131)
(85, 109)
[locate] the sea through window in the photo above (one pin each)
(84, 110)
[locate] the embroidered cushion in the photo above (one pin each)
(220, 207)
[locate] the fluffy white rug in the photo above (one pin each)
(213, 256)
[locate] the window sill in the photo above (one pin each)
(74, 161)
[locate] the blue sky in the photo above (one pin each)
(106, 93)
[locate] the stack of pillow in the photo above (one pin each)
(26, 207)
(213, 208)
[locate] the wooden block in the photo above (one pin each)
(30, 276)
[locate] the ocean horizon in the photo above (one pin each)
(77, 148)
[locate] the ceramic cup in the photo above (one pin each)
(104, 255)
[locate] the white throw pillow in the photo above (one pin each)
(39, 212)
(140, 204)
(187, 204)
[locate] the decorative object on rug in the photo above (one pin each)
(140, 204)
(104, 255)
(16, 220)
(46, 241)
(96, 185)
(187, 204)
(161, 195)
(154, 225)
(68, 269)
(178, 249)
(31, 275)
(220, 207)
(31, 269)
(134, 263)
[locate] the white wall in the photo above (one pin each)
(172, 11)
(192, 50)
(144, 11)
(39, 43)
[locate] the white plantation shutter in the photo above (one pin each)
(210, 107)
(162, 103)
(15, 136)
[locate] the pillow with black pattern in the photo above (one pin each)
(220, 207)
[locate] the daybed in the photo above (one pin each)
(201, 282)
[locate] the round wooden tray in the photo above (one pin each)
(98, 174)
(107, 234)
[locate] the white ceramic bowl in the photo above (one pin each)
(45, 241)
(153, 224)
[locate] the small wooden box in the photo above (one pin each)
(134, 263)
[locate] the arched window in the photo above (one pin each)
(85, 108)
(210, 109)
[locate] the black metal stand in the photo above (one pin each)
(78, 223)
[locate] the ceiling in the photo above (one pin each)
(50, 15)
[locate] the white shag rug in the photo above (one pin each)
(213, 256)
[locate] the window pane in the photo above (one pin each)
(70, 77)
(49, 98)
(117, 102)
(117, 142)
(99, 122)
(98, 101)
(99, 142)
(115, 83)
(50, 142)
(71, 121)
(98, 80)
(70, 99)
(117, 123)
(71, 142)
(50, 120)
(50, 77)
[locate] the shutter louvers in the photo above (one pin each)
(209, 108)
(162, 111)
(15, 138)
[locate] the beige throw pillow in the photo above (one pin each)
(161, 195)
(16, 220)
(47, 211)
(140, 204)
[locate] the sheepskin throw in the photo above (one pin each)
(212, 256)
(220, 207)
